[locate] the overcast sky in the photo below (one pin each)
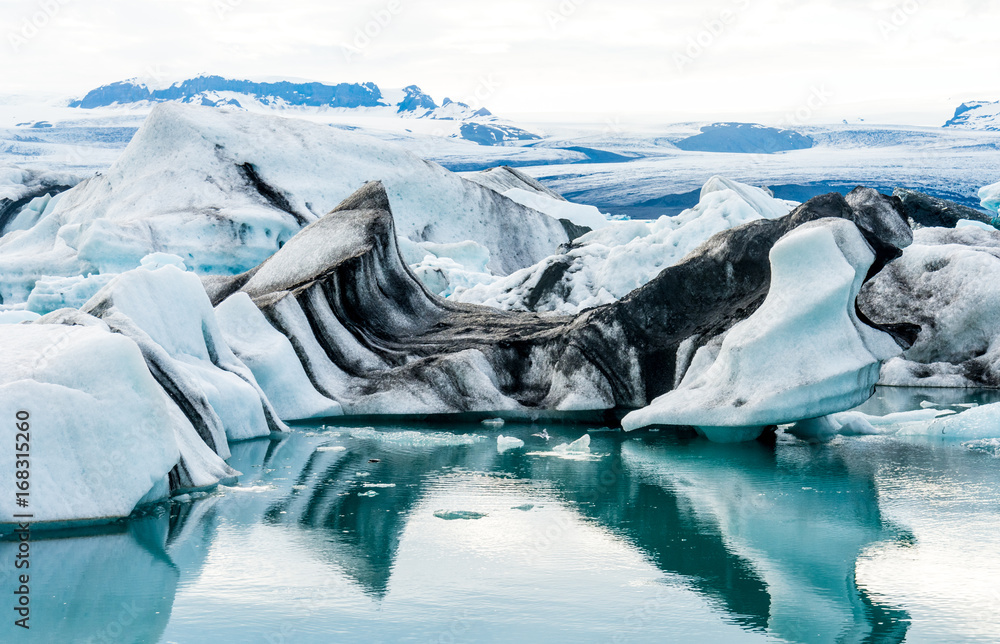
(620, 58)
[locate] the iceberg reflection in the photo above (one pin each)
(769, 537)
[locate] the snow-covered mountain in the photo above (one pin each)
(304, 97)
(977, 115)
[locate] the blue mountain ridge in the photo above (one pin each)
(206, 90)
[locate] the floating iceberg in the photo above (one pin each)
(99, 428)
(168, 314)
(942, 284)
(370, 337)
(803, 354)
(978, 423)
(990, 197)
(579, 446)
(459, 515)
(507, 443)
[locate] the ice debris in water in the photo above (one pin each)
(430, 439)
(989, 446)
(383, 485)
(580, 446)
(331, 448)
(505, 443)
(578, 450)
(252, 489)
(455, 515)
(494, 422)
(368, 493)
(976, 423)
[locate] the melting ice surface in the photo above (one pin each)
(656, 537)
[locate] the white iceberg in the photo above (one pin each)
(579, 214)
(579, 446)
(167, 312)
(54, 293)
(100, 430)
(507, 443)
(977, 423)
(17, 316)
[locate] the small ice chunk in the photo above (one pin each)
(380, 485)
(927, 404)
(989, 446)
(331, 448)
(977, 423)
(580, 446)
(494, 422)
(505, 443)
(459, 515)
(368, 493)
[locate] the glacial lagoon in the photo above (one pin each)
(428, 533)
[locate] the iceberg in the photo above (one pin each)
(166, 311)
(507, 443)
(607, 264)
(941, 283)
(370, 336)
(990, 197)
(271, 358)
(923, 210)
(27, 194)
(803, 354)
(977, 423)
(99, 429)
(53, 293)
(225, 190)
(579, 214)
(579, 446)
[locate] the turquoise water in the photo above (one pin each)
(650, 537)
